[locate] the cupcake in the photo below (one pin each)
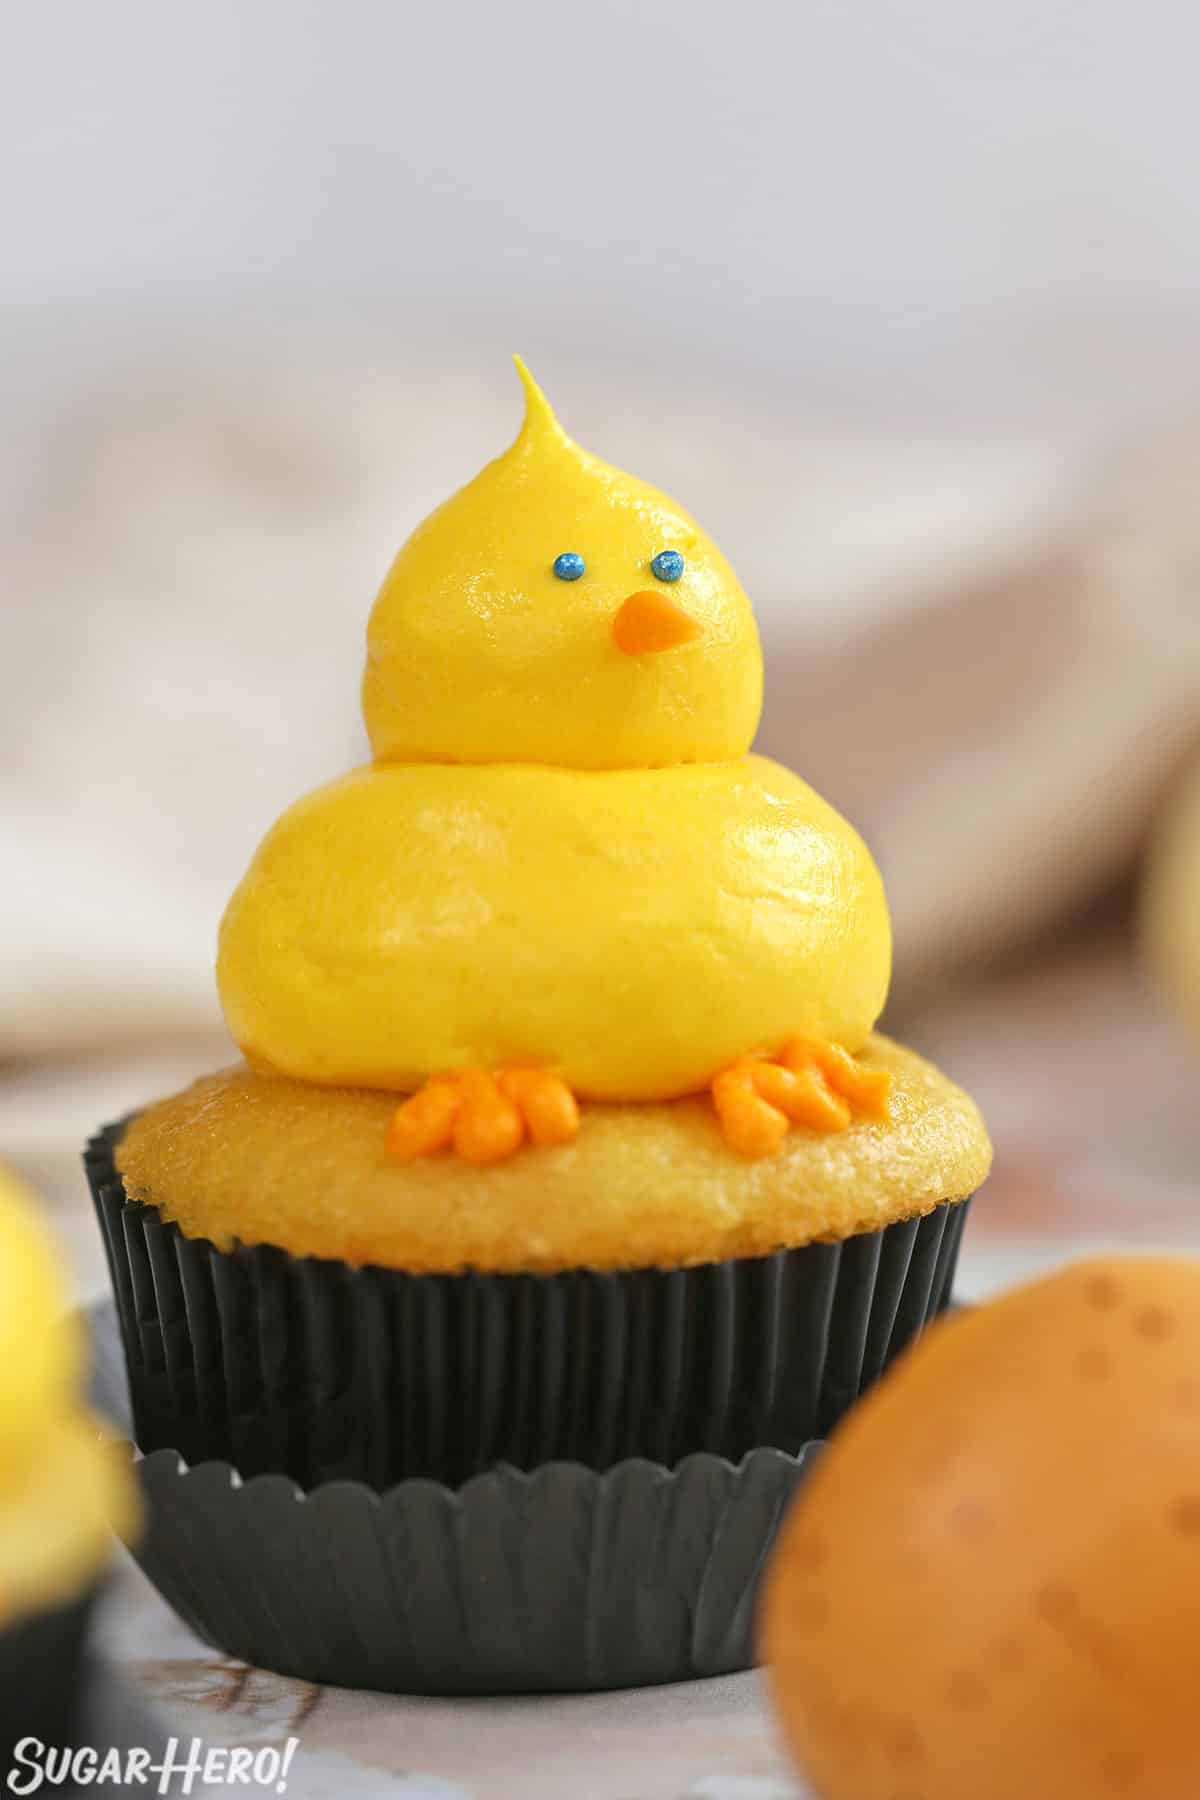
(63, 1490)
(563, 1132)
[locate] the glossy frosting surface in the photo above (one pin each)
(633, 930)
(478, 652)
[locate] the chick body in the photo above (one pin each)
(563, 855)
(633, 929)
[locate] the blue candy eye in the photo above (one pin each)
(569, 566)
(667, 565)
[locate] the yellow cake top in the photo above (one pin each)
(556, 610)
(260, 1159)
(63, 1487)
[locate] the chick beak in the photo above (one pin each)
(649, 620)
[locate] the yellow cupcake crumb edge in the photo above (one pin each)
(242, 1156)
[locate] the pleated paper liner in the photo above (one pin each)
(563, 1580)
(320, 1371)
(42, 1677)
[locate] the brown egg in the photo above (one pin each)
(990, 1587)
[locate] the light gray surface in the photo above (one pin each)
(705, 1740)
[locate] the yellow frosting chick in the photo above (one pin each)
(41, 1354)
(477, 652)
(563, 875)
(63, 1488)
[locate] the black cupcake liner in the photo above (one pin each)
(43, 1665)
(563, 1580)
(319, 1371)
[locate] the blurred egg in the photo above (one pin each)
(40, 1347)
(990, 1586)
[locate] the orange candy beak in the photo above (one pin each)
(651, 621)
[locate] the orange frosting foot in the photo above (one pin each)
(811, 1083)
(484, 1118)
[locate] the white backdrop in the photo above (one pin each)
(950, 194)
